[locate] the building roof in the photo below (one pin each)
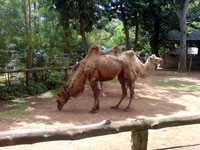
(195, 35)
(174, 37)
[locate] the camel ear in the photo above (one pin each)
(153, 56)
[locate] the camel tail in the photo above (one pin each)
(76, 85)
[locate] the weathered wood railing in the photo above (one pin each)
(66, 69)
(34, 69)
(139, 128)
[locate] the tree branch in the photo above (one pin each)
(185, 6)
(173, 5)
(176, 9)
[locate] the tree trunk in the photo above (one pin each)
(29, 53)
(82, 31)
(26, 22)
(182, 58)
(181, 13)
(136, 31)
(155, 38)
(126, 31)
(28, 75)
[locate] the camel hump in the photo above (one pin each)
(129, 53)
(94, 49)
(117, 50)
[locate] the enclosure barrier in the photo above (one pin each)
(36, 69)
(66, 69)
(139, 128)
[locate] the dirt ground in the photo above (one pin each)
(150, 100)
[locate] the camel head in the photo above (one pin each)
(155, 60)
(62, 97)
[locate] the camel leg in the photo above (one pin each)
(101, 88)
(124, 90)
(94, 85)
(131, 86)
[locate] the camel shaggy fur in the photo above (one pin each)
(96, 66)
(100, 66)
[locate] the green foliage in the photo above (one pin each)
(54, 80)
(77, 51)
(193, 20)
(12, 91)
(5, 58)
(11, 25)
(19, 90)
(37, 88)
(119, 36)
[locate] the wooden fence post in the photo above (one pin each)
(139, 139)
(66, 74)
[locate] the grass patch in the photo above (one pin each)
(11, 113)
(115, 80)
(22, 106)
(2, 118)
(7, 113)
(175, 84)
(87, 82)
(49, 94)
(17, 107)
(17, 103)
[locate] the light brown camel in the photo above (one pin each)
(99, 66)
(132, 69)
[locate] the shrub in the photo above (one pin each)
(55, 80)
(20, 90)
(37, 88)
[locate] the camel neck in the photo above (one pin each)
(147, 69)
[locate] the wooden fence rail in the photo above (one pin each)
(36, 69)
(66, 69)
(139, 128)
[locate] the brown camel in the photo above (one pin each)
(99, 66)
(96, 66)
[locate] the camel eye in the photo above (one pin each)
(59, 95)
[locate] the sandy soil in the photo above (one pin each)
(150, 101)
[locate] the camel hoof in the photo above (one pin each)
(114, 107)
(104, 95)
(126, 109)
(93, 112)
